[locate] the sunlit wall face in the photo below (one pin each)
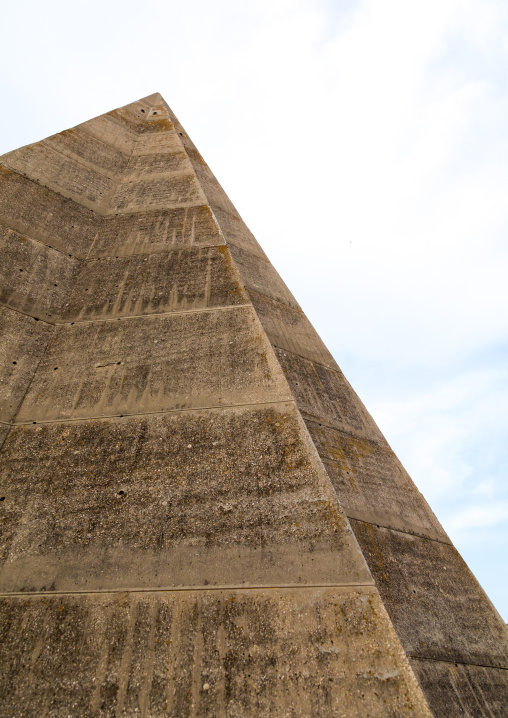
(365, 145)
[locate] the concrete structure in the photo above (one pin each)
(199, 516)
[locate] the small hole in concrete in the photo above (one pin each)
(55, 368)
(2, 498)
(142, 111)
(20, 270)
(154, 113)
(14, 362)
(36, 319)
(121, 492)
(34, 422)
(181, 134)
(56, 285)
(119, 362)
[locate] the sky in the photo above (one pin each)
(365, 143)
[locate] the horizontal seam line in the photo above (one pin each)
(355, 434)
(401, 531)
(30, 422)
(40, 241)
(323, 422)
(181, 589)
(85, 131)
(82, 162)
(50, 189)
(173, 248)
(204, 310)
(325, 366)
(37, 319)
(449, 660)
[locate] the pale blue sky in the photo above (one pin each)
(366, 146)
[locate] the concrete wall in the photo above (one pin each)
(181, 455)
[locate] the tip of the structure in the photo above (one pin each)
(153, 99)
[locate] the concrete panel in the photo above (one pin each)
(89, 150)
(161, 142)
(222, 497)
(260, 276)
(454, 690)
(62, 174)
(215, 195)
(307, 652)
(45, 215)
(171, 191)
(157, 231)
(181, 280)
(155, 165)
(131, 116)
(236, 233)
(288, 328)
(23, 341)
(372, 484)
(436, 605)
(4, 430)
(326, 395)
(104, 128)
(34, 278)
(154, 363)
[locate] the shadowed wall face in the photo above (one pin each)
(193, 497)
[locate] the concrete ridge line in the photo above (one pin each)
(19, 311)
(154, 254)
(118, 122)
(39, 241)
(454, 663)
(75, 158)
(190, 589)
(203, 310)
(338, 370)
(325, 422)
(50, 189)
(400, 531)
(154, 413)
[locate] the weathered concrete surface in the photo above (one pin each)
(63, 174)
(152, 364)
(179, 280)
(42, 214)
(174, 319)
(288, 328)
(273, 653)
(34, 278)
(455, 690)
(156, 231)
(323, 393)
(438, 607)
(4, 430)
(372, 484)
(208, 498)
(22, 344)
(107, 130)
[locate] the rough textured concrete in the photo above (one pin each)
(23, 340)
(306, 652)
(194, 498)
(200, 518)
